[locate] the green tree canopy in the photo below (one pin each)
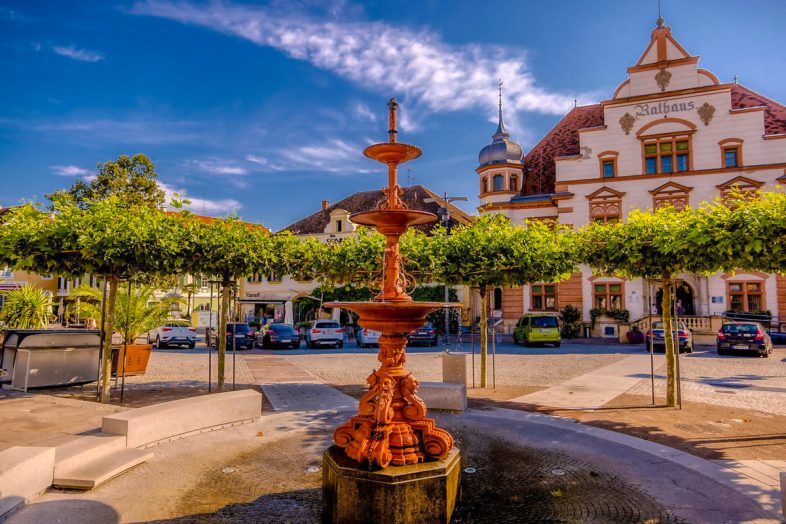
(132, 179)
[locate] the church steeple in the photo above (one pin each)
(501, 131)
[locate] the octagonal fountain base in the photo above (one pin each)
(424, 492)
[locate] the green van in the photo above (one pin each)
(538, 328)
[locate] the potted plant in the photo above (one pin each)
(136, 315)
(26, 307)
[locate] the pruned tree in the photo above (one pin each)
(659, 245)
(229, 249)
(492, 252)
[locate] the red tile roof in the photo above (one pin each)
(413, 197)
(563, 139)
(774, 112)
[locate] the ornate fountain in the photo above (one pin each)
(391, 425)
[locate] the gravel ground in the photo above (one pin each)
(515, 365)
(739, 381)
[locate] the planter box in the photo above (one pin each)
(137, 356)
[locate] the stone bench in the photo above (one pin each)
(167, 421)
(443, 395)
(25, 471)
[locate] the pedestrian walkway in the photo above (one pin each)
(290, 388)
(594, 389)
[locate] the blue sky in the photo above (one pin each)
(266, 107)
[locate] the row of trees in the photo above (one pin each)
(114, 226)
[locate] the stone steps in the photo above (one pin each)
(92, 473)
(83, 449)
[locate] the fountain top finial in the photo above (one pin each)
(393, 107)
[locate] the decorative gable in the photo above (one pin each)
(671, 193)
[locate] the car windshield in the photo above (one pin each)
(282, 328)
(328, 325)
(545, 322)
(740, 328)
(428, 326)
(241, 328)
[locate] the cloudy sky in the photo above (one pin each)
(265, 107)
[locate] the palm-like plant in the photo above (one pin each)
(145, 313)
(26, 307)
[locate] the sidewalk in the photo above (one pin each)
(290, 388)
(594, 389)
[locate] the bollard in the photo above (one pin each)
(783, 493)
(454, 368)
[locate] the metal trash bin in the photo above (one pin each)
(49, 357)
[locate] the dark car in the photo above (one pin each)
(777, 337)
(244, 339)
(659, 343)
(748, 337)
(426, 335)
(278, 336)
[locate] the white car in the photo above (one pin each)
(173, 332)
(325, 333)
(367, 337)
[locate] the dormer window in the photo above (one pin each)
(339, 225)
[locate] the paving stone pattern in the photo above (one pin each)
(745, 382)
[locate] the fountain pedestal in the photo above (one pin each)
(424, 492)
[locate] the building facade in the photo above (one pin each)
(671, 133)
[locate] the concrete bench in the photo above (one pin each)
(443, 395)
(25, 471)
(180, 418)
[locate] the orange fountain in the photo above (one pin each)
(391, 425)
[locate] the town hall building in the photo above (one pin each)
(671, 133)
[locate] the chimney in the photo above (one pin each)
(325, 204)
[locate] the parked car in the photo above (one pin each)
(426, 335)
(244, 337)
(367, 337)
(324, 333)
(684, 336)
(277, 335)
(748, 337)
(538, 328)
(777, 337)
(173, 332)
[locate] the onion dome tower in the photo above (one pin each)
(501, 167)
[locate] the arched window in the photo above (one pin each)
(514, 182)
(497, 302)
(499, 183)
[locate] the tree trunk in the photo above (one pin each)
(484, 339)
(222, 332)
(668, 337)
(106, 354)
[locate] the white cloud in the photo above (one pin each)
(431, 75)
(69, 171)
(334, 156)
(82, 55)
(216, 166)
(364, 113)
(134, 130)
(201, 205)
(256, 159)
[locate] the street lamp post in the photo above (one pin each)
(444, 215)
